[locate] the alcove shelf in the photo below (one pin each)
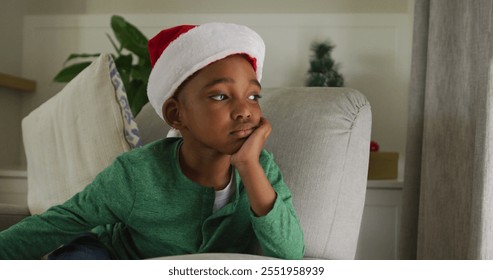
(17, 83)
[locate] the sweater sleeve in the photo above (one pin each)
(108, 199)
(279, 232)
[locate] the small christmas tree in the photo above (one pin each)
(323, 69)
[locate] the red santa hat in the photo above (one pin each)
(178, 52)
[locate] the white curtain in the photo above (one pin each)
(448, 183)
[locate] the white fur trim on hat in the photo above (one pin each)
(196, 49)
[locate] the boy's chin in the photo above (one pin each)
(233, 149)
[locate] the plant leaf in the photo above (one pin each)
(129, 36)
(132, 88)
(140, 99)
(124, 63)
(68, 73)
(81, 55)
(140, 73)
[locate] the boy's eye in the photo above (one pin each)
(255, 97)
(219, 97)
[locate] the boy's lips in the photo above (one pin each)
(243, 132)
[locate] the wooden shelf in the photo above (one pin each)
(17, 83)
(13, 172)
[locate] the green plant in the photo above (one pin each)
(323, 70)
(131, 59)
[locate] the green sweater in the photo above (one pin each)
(143, 206)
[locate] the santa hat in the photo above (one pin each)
(177, 53)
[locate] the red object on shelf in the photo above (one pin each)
(374, 147)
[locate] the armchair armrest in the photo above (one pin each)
(11, 214)
(216, 256)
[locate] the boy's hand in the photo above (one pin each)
(251, 149)
(246, 160)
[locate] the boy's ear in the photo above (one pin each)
(171, 113)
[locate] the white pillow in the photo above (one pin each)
(77, 133)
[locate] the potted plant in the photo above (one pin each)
(131, 59)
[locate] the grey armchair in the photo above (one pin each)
(320, 140)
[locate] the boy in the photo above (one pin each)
(211, 190)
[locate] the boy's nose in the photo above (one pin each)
(241, 110)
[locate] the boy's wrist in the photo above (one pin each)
(247, 165)
(259, 190)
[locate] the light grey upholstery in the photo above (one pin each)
(320, 140)
(216, 256)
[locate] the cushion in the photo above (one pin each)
(131, 131)
(77, 133)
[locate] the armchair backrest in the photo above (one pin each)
(320, 141)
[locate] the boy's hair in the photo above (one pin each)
(179, 52)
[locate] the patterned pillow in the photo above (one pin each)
(76, 134)
(131, 130)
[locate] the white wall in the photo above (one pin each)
(372, 49)
(372, 44)
(58, 7)
(11, 15)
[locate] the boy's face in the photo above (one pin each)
(219, 106)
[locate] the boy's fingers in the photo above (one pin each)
(264, 127)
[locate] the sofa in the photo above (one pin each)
(320, 141)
